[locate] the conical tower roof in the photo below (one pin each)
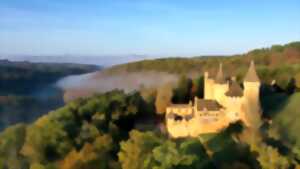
(220, 76)
(235, 90)
(251, 75)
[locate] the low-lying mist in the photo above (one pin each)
(99, 82)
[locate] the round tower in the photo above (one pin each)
(234, 100)
(221, 86)
(251, 97)
(208, 87)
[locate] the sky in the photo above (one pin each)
(145, 27)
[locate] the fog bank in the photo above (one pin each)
(98, 82)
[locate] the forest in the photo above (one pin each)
(122, 130)
(115, 129)
(278, 62)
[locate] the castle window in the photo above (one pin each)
(178, 118)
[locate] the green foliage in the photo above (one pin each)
(198, 87)
(148, 150)
(163, 98)
(271, 101)
(277, 48)
(81, 134)
(11, 141)
(286, 121)
(46, 141)
(96, 155)
(37, 166)
(182, 93)
(294, 45)
(168, 156)
(269, 157)
(135, 153)
(226, 149)
(196, 150)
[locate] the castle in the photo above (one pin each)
(224, 102)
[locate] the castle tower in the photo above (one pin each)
(234, 100)
(208, 87)
(220, 79)
(221, 86)
(251, 97)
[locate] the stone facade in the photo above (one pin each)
(224, 102)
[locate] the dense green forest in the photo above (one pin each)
(115, 130)
(27, 90)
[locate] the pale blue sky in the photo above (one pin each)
(146, 27)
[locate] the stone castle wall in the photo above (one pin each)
(234, 107)
(251, 105)
(219, 92)
(210, 123)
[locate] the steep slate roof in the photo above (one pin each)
(209, 105)
(235, 90)
(251, 75)
(220, 76)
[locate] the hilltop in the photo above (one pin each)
(277, 58)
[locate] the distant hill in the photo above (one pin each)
(279, 62)
(26, 77)
(101, 60)
(275, 56)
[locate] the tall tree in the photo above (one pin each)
(163, 98)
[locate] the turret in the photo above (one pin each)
(251, 75)
(220, 79)
(208, 87)
(221, 86)
(251, 97)
(251, 81)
